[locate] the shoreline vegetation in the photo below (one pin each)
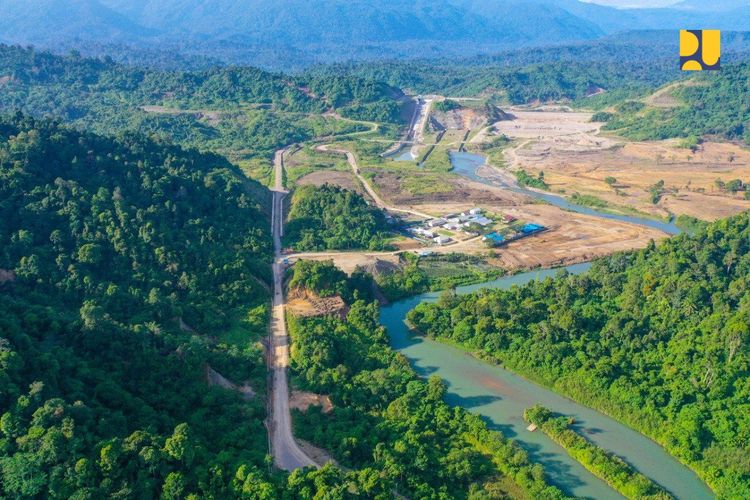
(614, 339)
(389, 424)
(530, 377)
(604, 464)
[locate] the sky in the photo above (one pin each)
(634, 3)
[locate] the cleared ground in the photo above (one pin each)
(575, 158)
(571, 237)
(344, 179)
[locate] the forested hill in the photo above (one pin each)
(223, 109)
(129, 270)
(633, 62)
(659, 338)
(219, 88)
(714, 103)
(301, 32)
(104, 244)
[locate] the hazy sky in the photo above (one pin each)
(634, 3)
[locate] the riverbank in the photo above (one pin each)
(563, 387)
(606, 465)
(501, 396)
(468, 165)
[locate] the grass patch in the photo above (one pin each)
(426, 184)
(248, 328)
(587, 200)
(439, 160)
(258, 169)
(307, 160)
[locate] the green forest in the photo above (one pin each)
(243, 112)
(625, 66)
(658, 338)
(135, 258)
(329, 217)
(388, 424)
(107, 246)
(714, 104)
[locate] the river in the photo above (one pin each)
(466, 165)
(501, 397)
(404, 153)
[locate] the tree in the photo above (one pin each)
(180, 446)
(173, 487)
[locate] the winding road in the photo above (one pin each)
(286, 452)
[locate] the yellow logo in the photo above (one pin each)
(700, 49)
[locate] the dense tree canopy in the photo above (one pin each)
(332, 218)
(106, 246)
(392, 426)
(713, 104)
(659, 338)
(238, 110)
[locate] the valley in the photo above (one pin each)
(518, 274)
(554, 145)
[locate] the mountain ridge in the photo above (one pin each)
(305, 32)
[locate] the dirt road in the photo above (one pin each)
(286, 452)
(416, 133)
(375, 197)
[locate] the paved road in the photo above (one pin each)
(287, 454)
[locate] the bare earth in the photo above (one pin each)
(571, 237)
(305, 304)
(301, 401)
(575, 158)
(349, 261)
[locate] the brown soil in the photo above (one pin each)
(407, 244)
(574, 158)
(461, 119)
(349, 261)
(390, 185)
(301, 401)
(305, 303)
(571, 237)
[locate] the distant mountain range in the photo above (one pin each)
(307, 31)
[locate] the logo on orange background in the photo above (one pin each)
(700, 50)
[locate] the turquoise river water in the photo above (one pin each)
(501, 396)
